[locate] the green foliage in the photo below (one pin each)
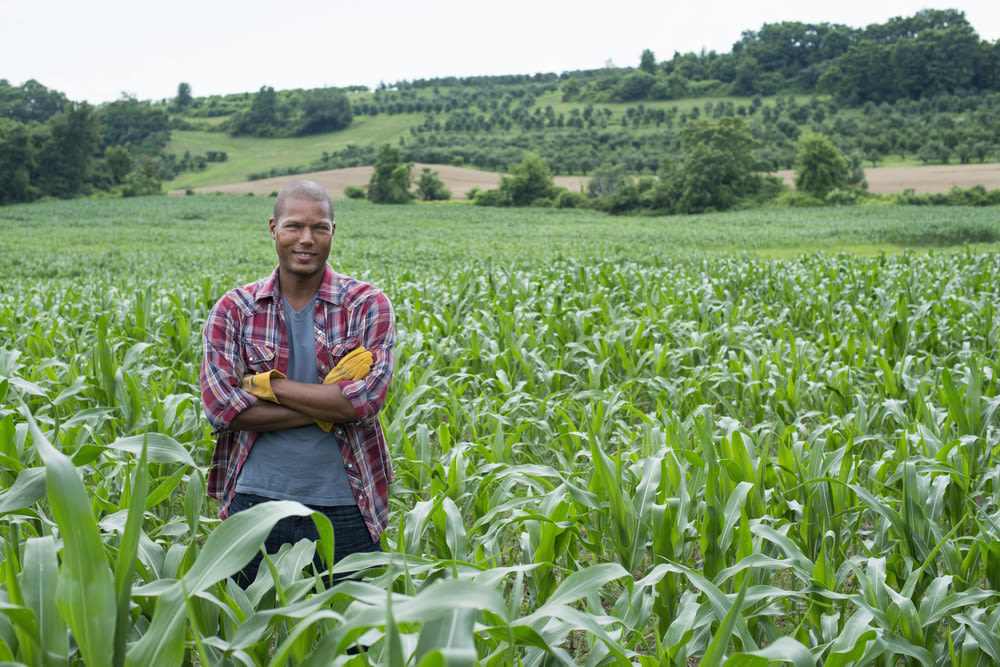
(183, 98)
(390, 181)
(354, 192)
(119, 162)
(529, 180)
(325, 110)
(819, 166)
(430, 187)
(68, 143)
(718, 168)
(261, 119)
(29, 102)
(137, 125)
(16, 162)
(569, 199)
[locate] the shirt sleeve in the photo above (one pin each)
(222, 368)
(377, 333)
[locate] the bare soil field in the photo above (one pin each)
(883, 180)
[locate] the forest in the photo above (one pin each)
(923, 89)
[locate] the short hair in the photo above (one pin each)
(308, 190)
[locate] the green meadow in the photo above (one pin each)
(759, 437)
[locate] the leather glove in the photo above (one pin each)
(260, 384)
(354, 366)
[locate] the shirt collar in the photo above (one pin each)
(270, 289)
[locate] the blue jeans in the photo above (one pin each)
(349, 531)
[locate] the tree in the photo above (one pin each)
(635, 86)
(30, 101)
(325, 110)
(119, 163)
(16, 162)
(138, 126)
(647, 62)
(261, 119)
(819, 166)
(718, 166)
(69, 143)
(183, 99)
(530, 180)
(390, 181)
(430, 187)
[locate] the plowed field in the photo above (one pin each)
(882, 180)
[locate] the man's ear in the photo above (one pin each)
(272, 226)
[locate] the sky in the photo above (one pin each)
(98, 50)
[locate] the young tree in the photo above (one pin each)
(819, 166)
(529, 181)
(430, 187)
(390, 181)
(718, 166)
(647, 62)
(183, 99)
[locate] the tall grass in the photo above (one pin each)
(607, 451)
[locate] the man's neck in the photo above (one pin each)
(298, 292)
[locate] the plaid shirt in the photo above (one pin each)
(245, 332)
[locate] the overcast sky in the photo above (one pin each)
(95, 50)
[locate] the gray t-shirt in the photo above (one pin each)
(303, 463)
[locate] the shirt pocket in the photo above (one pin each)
(340, 348)
(260, 356)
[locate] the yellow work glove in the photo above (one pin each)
(354, 366)
(260, 384)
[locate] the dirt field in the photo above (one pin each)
(883, 180)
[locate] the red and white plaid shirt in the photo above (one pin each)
(245, 333)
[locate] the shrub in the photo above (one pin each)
(797, 200)
(354, 192)
(568, 199)
(490, 198)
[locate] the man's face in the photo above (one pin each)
(302, 233)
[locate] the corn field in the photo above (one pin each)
(616, 441)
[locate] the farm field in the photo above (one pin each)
(766, 435)
(882, 180)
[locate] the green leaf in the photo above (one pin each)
(584, 582)
(783, 649)
(162, 448)
(127, 554)
(39, 579)
(85, 593)
(452, 635)
(27, 489)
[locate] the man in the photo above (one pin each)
(296, 367)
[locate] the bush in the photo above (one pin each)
(138, 184)
(838, 197)
(354, 192)
(431, 188)
(491, 198)
(568, 199)
(797, 200)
